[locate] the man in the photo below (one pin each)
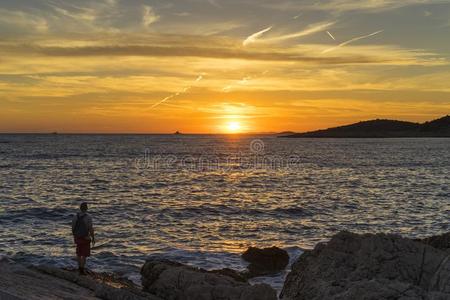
(83, 234)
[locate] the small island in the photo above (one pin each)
(382, 129)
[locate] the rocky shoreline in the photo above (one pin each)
(349, 266)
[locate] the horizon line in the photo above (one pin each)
(197, 133)
(137, 133)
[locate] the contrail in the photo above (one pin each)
(162, 101)
(244, 80)
(255, 36)
(310, 30)
(351, 41)
(227, 88)
(331, 36)
(184, 90)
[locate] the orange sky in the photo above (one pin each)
(220, 66)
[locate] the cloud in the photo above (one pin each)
(314, 28)
(190, 51)
(21, 20)
(183, 91)
(77, 13)
(252, 38)
(149, 16)
(182, 14)
(210, 49)
(348, 5)
(331, 36)
(82, 17)
(214, 3)
(351, 41)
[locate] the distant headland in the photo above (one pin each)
(381, 129)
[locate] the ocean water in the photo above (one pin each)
(203, 199)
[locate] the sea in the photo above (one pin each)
(203, 199)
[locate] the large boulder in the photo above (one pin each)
(439, 241)
(370, 266)
(265, 261)
(174, 281)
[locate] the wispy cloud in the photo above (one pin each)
(212, 51)
(23, 20)
(314, 28)
(331, 36)
(351, 41)
(347, 5)
(244, 81)
(182, 14)
(214, 3)
(73, 12)
(149, 16)
(273, 55)
(252, 38)
(183, 91)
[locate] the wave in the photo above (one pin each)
(33, 213)
(7, 166)
(224, 210)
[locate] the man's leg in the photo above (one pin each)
(79, 262)
(82, 264)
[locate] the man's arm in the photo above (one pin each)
(91, 231)
(92, 234)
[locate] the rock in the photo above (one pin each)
(352, 267)
(439, 241)
(104, 286)
(265, 261)
(230, 273)
(21, 283)
(174, 281)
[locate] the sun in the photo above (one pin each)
(233, 127)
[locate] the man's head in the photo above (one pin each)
(84, 207)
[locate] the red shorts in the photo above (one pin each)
(83, 247)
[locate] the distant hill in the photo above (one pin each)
(285, 133)
(383, 129)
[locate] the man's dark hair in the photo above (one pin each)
(83, 206)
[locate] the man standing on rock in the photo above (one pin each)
(83, 234)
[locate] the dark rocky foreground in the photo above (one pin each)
(349, 266)
(369, 266)
(175, 281)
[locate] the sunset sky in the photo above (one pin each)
(220, 66)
